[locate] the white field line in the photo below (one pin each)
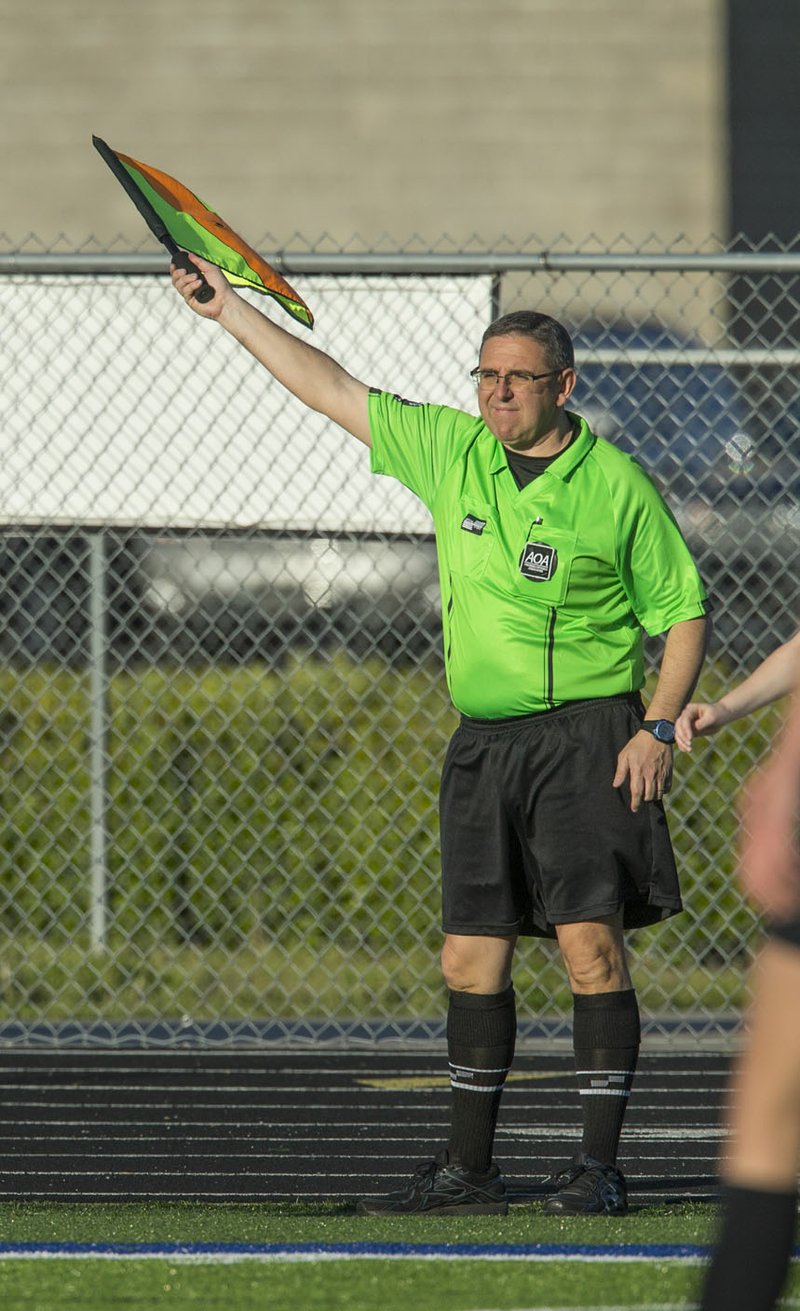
(640, 1306)
(289, 1258)
(786, 1304)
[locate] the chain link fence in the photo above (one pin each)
(224, 709)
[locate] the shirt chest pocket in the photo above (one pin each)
(544, 565)
(474, 538)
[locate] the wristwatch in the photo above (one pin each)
(662, 729)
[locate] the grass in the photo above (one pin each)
(335, 1222)
(461, 1284)
(272, 851)
(293, 980)
(339, 1286)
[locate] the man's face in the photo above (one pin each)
(523, 416)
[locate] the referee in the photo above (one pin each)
(556, 554)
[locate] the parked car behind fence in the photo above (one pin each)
(728, 465)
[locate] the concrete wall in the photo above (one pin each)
(520, 118)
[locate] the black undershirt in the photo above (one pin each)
(527, 467)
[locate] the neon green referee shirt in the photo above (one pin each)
(546, 591)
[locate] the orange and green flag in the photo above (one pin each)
(181, 221)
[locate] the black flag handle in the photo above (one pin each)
(153, 219)
(181, 260)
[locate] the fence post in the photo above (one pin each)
(98, 714)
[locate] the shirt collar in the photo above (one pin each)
(561, 467)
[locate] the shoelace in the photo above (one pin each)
(565, 1177)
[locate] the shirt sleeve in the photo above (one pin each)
(415, 443)
(656, 566)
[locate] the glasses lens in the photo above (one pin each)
(488, 379)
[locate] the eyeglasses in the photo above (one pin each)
(487, 379)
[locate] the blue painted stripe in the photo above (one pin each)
(558, 1251)
(231, 1253)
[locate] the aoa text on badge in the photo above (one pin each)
(538, 561)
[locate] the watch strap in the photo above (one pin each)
(651, 725)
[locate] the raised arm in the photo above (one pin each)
(772, 679)
(311, 375)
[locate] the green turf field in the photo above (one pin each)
(446, 1281)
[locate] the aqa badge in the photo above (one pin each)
(538, 561)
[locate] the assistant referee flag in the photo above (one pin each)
(170, 207)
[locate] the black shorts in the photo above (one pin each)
(533, 833)
(786, 930)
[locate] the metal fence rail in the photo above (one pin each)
(223, 707)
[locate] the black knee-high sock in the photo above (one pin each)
(481, 1033)
(751, 1259)
(606, 1035)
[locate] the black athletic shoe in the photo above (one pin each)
(588, 1187)
(443, 1189)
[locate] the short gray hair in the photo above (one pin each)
(548, 332)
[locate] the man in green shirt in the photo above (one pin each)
(556, 553)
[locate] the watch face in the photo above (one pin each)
(664, 731)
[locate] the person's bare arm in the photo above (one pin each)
(311, 375)
(769, 866)
(644, 762)
(772, 679)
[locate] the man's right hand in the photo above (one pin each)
(188, 284)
